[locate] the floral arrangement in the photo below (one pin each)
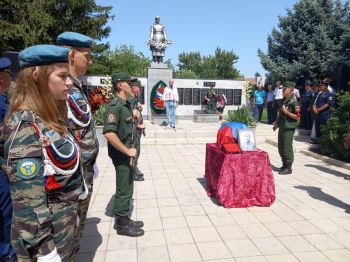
(98, 97)
(157, 102)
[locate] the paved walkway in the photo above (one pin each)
(306, 223)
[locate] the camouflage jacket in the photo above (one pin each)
(23, 161)
(86, 136)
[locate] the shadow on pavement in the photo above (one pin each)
(90, 241)
(316, 193)
(330, 171)
(110, 206)
(201, 181)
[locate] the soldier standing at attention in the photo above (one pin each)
(305, 121)
(323, 107)
(6, 251)
(118, 132)
(79, 115)
(287, 121)
(42, 160)
(135, 104)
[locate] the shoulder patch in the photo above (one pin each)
(112, 118)
(28, 168)
(330, 98)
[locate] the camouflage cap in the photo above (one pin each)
(309, 82)
(122, 76)
(137, 83)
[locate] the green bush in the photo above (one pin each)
(242, 115)
(99, 116)
(334, 131)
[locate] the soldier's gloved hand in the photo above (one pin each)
(96, 171)
(51, 257)
(132, 152)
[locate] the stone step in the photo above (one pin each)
(298, 146)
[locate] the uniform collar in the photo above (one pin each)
(76, 81)
(121, 100)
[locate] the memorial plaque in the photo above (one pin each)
(208, 84)
(181, 95)
(188, 96)
(221, 91)
(204, 92)
(229, 96)
(237, 97)
(196, 96)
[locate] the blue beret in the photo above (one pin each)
(5, 63)
(39, 55)
(74, 39)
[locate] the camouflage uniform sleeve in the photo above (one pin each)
(111, 119)
(32, 231)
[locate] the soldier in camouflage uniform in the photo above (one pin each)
(118, 132)
(140, 128)
(41, 159)
(287, 121)
(79, 114)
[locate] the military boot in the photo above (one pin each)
(126, 228)
(136, 223)
(285, 171)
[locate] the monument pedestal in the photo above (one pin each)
(157, 72)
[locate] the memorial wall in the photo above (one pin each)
(191, 93)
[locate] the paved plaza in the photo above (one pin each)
(307, 222)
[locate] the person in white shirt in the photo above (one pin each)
(171, 98)
(278, 99)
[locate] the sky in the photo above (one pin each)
(199, 25)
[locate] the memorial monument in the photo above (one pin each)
(159, 73)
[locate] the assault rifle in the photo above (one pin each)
(132, 144)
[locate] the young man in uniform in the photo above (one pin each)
(323, 106)
(118, 131)
(6, 251)
(135, 104)
(305, 121)
(80, 117)
(287, 122)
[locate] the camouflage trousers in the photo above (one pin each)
(65, 228)
(83, 206)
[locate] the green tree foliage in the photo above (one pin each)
(217, 66)
(312, 40)
(29, 22)
(333, 133)
(186, 74)
(123, 58)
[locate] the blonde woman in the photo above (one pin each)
(41, 158)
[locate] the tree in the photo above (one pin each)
(217, 66)
(186, 74)
(123, 58)
(309, 42)
(25, 23)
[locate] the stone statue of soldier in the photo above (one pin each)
(158, 41)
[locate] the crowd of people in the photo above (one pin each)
(49, 148)
(317, 101)
(287, 107)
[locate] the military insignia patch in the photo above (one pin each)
(111, 118)
(28, 168)
(330, 98)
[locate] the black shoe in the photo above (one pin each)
(10, 259)
(136, 223)
(139, 177)
(278, 169)
(128, 230)
(285, 171)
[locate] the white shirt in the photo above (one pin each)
(170, 94)
(296, 93)
(278, 93)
